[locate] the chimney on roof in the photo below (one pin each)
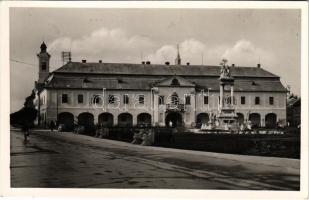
(148, 63)
(143, 62)
(188, 63)
(233, 65)
(167, 63)
(84, 61)
(100, 61)
(259, 65)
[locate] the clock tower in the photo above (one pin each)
(43, 57)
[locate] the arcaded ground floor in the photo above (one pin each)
(71, 117)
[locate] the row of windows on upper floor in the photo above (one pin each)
(161, 100)
(97, 99)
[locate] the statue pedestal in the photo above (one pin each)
(227, 120)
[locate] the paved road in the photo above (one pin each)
(68, 160)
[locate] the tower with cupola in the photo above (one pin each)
(44, 58)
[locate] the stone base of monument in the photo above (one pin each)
(227, 120)
(227, 124)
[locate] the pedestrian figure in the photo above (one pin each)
(242, 127)
(97, 130)
(203, 127)
(52, 125)
(25, 129)
(170, 124)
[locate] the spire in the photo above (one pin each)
(178, 59)
(43, 47)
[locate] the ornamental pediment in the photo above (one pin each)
(175, 81)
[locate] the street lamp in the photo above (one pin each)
(152, 91)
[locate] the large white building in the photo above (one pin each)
(119, 94)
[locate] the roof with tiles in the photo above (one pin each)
(155, 69)
(77, 75)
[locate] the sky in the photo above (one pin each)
(245, 37)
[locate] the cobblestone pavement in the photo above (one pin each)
(66, 160)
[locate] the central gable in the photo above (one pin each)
(175, 81)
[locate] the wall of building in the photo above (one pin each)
(50, 107)
(264, 108)
(88, 105)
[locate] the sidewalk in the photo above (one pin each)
(287, 164)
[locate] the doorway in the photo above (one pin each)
(173, 119)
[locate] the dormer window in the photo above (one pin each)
(175, 82)
(86, 80)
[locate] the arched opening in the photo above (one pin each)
(106, 119)
(240, 118)
(144, 119)
(66, 121)
(125, 120)
(255, 119)
(87, 121)
(173, 119)
(271, 120)
(201, 118)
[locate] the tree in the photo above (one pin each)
(26, 115)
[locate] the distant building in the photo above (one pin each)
(293, 111)
(119, 94)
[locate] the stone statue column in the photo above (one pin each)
(232, 95)
(221, 95)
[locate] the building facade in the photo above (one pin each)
(119, 94)
(294, 111)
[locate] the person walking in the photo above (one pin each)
(52, 125)
(25, 129)
(170, 124)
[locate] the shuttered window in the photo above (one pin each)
(188, 100)
(205, 99)
(111, 99)
(80, 98)
(125, 99)
(161, 100)
(243, 100)
(141, 99)
(257, 101)
(271, 100)
(64, 98)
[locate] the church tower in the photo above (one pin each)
(178, 59)
(43, 57)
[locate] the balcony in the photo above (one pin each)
(175, 107)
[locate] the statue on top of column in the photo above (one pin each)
(225, 69)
